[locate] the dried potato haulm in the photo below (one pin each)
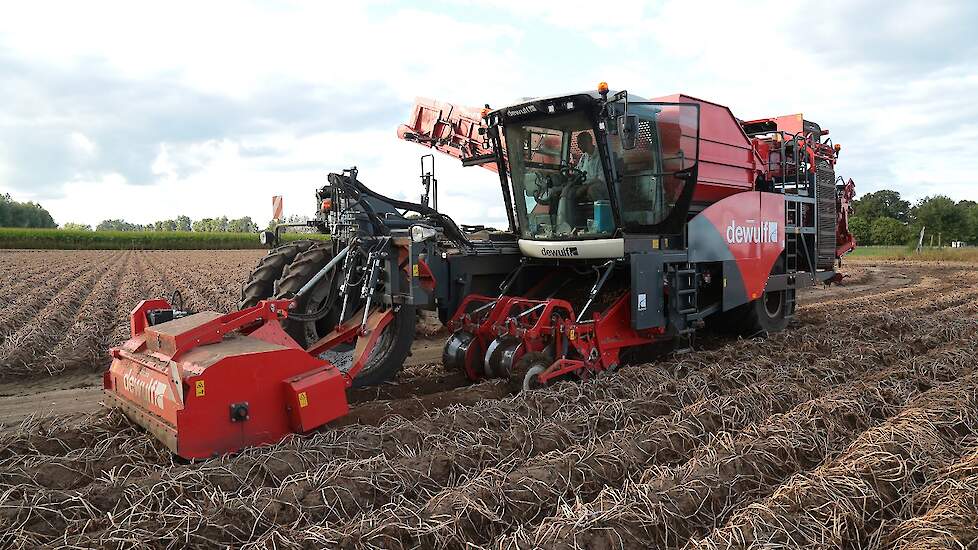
(942, 514)
(63, 309)
(667, 505)
(853, 429)
(845, 502)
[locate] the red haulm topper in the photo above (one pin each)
(209, 384)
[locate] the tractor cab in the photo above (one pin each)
(585, 170)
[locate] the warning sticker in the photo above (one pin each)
(303, 400)
(199, 388)
(415, 270)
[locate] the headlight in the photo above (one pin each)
(421, 233)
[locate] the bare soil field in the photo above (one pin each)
(856, 428)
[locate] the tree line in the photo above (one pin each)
(884, 218)
(180, 223)
(32, 214)
(23, 214)
(879, 218)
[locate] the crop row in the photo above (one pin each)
(516, 471)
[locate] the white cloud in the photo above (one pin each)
(223, 181)
(208, 108)
(82, 145)
(163, 166)
(236, 48)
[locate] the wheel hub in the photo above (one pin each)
(772, 303)
(462, 352)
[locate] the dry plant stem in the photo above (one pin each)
(845, 502)
(942, 514)
(852, 429)
(666, 506)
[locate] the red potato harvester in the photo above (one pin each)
(632, 223)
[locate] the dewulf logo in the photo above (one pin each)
(524, 110)
(150, 391)
(563, 252)
(765, 232)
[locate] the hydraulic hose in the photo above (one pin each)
(447, 224)
(323, 311)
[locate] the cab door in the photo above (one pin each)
(654, 147)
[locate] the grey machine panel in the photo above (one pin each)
(647, 284)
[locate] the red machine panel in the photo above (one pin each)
(747, 228)
(728, 163)
(315, 398)
(205, 389)
(449, 128)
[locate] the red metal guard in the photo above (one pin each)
(349, 331)
(451, 129)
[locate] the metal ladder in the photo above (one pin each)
(791, 219)
(684, 284)
(801, 192)
(685, 280)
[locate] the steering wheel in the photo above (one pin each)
(572, 175)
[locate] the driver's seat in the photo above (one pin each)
(573, 211)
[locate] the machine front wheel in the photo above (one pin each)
(392, 347)
(261, 281)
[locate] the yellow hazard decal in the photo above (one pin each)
(571, 334)
(199, 388)
(414, 270)
(303, 400)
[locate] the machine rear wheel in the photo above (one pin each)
(393, 345)
(261, 281)
(768, 313)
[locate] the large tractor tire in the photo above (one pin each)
(765, 315)
(261, 282)
(394, 344)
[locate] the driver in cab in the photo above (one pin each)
(590, 164)
(592, 188)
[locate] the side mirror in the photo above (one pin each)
(628, 130)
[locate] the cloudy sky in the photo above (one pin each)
(148, 110)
